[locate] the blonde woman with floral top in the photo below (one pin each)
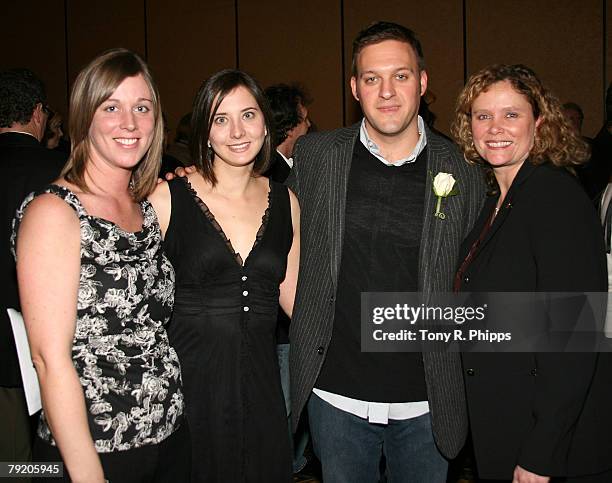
(96, 290)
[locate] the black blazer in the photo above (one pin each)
(319, 178)
(27, 166)
(547, 412)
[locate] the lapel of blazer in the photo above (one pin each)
(434, 228)
(339, 160)
(526, 170)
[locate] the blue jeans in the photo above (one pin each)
(298, 443)
(350, 448)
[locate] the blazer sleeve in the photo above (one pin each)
(568, 249)
(474, 198)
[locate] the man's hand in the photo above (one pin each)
(521, 475)
(180, 172)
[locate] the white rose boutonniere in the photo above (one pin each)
(444, 185)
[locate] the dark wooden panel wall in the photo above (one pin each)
(282, 41)
(607, 28)
(565, 41)
(188, 40)
(93, 27)
(561, 40)
(35, 37)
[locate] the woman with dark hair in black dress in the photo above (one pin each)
(233, 238)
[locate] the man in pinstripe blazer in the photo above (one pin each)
(367, 217)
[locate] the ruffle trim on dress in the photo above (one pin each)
(228, 243)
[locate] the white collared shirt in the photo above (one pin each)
(606, 199)
(374, 149)
(374, 412)
(289, 161)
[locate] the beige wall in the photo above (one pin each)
(185, 41)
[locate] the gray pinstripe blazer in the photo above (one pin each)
(319, 178)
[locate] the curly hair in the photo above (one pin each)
(20, 92)
(205, 106)
(284, 101)
(555, 140)
(94, 85)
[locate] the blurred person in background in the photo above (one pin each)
(290, 121)
(288, 105)
(54, 133)
(575, 116)
(179, 149)
(28, 166)
(169, 163)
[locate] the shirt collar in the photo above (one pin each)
(21, 132)
(289, 161)
(411, 158)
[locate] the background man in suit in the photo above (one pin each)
(290, 122)
(179, 149)
(28, 166)
(368, 224)
(290, 117)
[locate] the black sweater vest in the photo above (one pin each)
(380, 253)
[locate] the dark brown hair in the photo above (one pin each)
(379, 32)
(205, 106)
(284, 101)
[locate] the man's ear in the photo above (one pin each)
(37, 112)
(39, 121)
(291, 133)
(423, 80)
(354, 88)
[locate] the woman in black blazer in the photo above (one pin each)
(533, 416)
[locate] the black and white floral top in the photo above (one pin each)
(130, 374)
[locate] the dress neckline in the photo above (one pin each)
(144, 207)
(219, 229)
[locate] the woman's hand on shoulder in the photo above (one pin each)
(179, 172)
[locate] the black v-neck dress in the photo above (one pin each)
(223, 329)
